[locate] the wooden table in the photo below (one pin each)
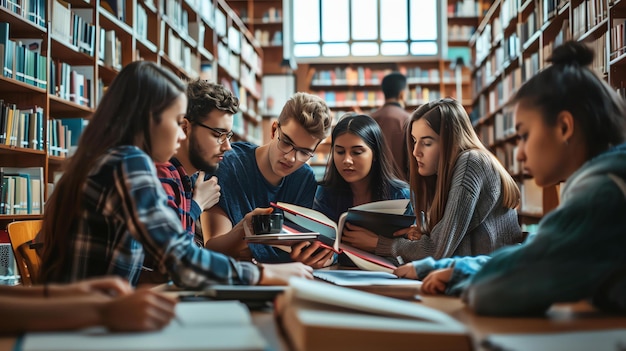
(564, 317)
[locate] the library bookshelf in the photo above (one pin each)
(511, 44)
(54, 73)
(265, 20)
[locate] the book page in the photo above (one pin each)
(211, 325)
(311, 220)
(386, 206)
(332, 295)
(307, 212)
(367, 261)
(210, 313)
(363, 278)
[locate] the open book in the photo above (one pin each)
(305, 224)
(319, 316)
(214, 325)
(381, 283)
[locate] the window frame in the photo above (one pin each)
(439, 42)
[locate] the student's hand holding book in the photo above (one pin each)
(279, 274)
(312, 254)
(359, 237)
(411, 233)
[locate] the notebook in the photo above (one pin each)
(214, 325)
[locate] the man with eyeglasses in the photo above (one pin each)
(207, 125)
(252, 176)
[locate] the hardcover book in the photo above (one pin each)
(305, 224)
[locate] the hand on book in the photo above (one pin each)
(279, 274)
(359, 237)
(436, 281)
(312, 254)
(411, 233)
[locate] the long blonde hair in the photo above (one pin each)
(448, 119)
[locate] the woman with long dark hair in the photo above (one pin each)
(109, 208)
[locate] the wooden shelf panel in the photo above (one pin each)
(60, 108)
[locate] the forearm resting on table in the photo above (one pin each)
(39, 314)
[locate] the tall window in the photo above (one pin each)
(365, 28)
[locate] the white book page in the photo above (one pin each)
(211, 325)
(327, 294)
(310, 213)
(210, 313)
(386, 206)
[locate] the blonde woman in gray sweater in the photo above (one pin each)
(465, 196)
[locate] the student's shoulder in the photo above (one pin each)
(474, 158)
(126, 154)
(240, 150)
(305, 171)
(131, 160)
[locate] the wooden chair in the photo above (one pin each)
(22, 234)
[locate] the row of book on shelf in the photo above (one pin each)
(21, 190)
(24, 128)
(362, 75)
(23, 61)
(416, 95)
(31, 10)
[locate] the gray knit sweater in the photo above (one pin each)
(474, 220)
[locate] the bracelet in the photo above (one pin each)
(46, 293)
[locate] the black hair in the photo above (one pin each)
(384, 172)
(393, 84)
(569, 85)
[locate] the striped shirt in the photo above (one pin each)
(125, 214)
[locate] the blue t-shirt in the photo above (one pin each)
(244, 188)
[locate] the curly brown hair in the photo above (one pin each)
(204, 97)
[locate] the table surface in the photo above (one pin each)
(562, 317)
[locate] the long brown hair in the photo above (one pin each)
(448, 119)
(137, 95)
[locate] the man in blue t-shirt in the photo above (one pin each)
(252, 176)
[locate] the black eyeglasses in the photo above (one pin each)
(221, 135)
(286, 147)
